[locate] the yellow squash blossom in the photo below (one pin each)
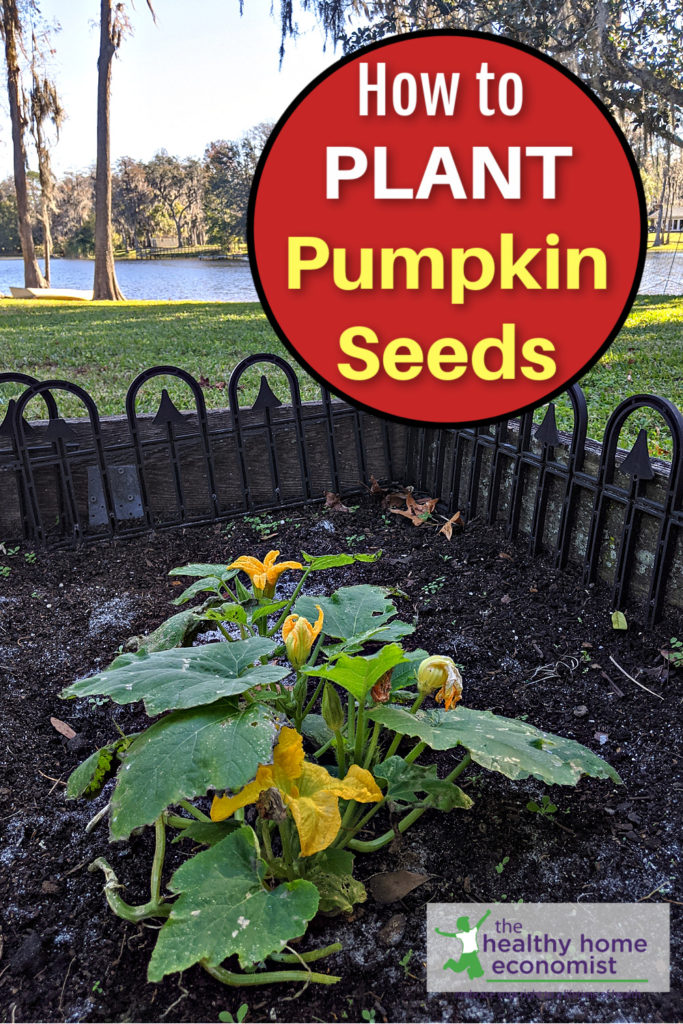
(308, 790)
(299, 636)
(440, 672)
(263, 575)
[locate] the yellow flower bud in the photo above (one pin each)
(299, 636)
(440, 673)
(332, 710)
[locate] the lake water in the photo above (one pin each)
(231, 282)
(205, 280)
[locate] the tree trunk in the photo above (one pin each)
(179, 233)
(47, 242)
(105, 285)
(32, 275)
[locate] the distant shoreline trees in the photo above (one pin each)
(167, 200)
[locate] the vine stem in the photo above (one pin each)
(376, 844)
(373, 745)
(393, 747)
(285, 611)
(360, 733)
(158, 862)
(307, 958)
(267, 977)
(265, 839)
(341, 754)
(316, 694)
(285, 837)
(414, 753)
(119, 906)
(194, 811)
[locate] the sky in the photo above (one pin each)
(186, 81)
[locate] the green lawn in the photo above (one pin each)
(102, 346)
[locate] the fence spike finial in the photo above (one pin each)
(167, 412)
(59, 430)
(547, 432)
(265, 398)
(637, 462)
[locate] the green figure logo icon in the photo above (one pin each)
(469, 958)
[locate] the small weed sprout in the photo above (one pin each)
(500, 867)
(225, 1017)
(546, 808)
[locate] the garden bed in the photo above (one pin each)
(531, 641)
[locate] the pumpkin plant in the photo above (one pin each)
(277, 845)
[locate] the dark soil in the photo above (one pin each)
(501, 615)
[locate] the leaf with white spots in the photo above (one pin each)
(187, 753)
(224, 909)
(506, 745)
(184, 677)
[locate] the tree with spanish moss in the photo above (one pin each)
(11, 28)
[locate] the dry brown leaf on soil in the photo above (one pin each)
(447, 528)
(62, 727)
(394, 499)
(390, 886)
(376, 487)
(415, 519)
(334, 503)
(504, 554)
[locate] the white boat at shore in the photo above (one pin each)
(67, 294)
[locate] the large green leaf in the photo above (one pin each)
(352, 612)
(208, 833)
(318, 563)
(507, 745)
(219, 570)
(358, 675)
(177, 631)
(404, 675)
(405, 781)
(184, 677)
(224, 909)
(187, 753)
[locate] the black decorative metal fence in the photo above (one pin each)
(71, 481)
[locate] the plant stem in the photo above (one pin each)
(225, 632)
(176, 821)
(373, 745)
(308, 958)
(265, 838)
(158, 862)
(393, 747)
(372, 845)
(351, 720)
(122, 909)
(316, 694)
(341, 754)
(360, 733)
(301, 688)
(194, 811)
(414, 753)
(323, 750)
(267, 977)
(286, 610)
(285, 837)
(350, 833)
